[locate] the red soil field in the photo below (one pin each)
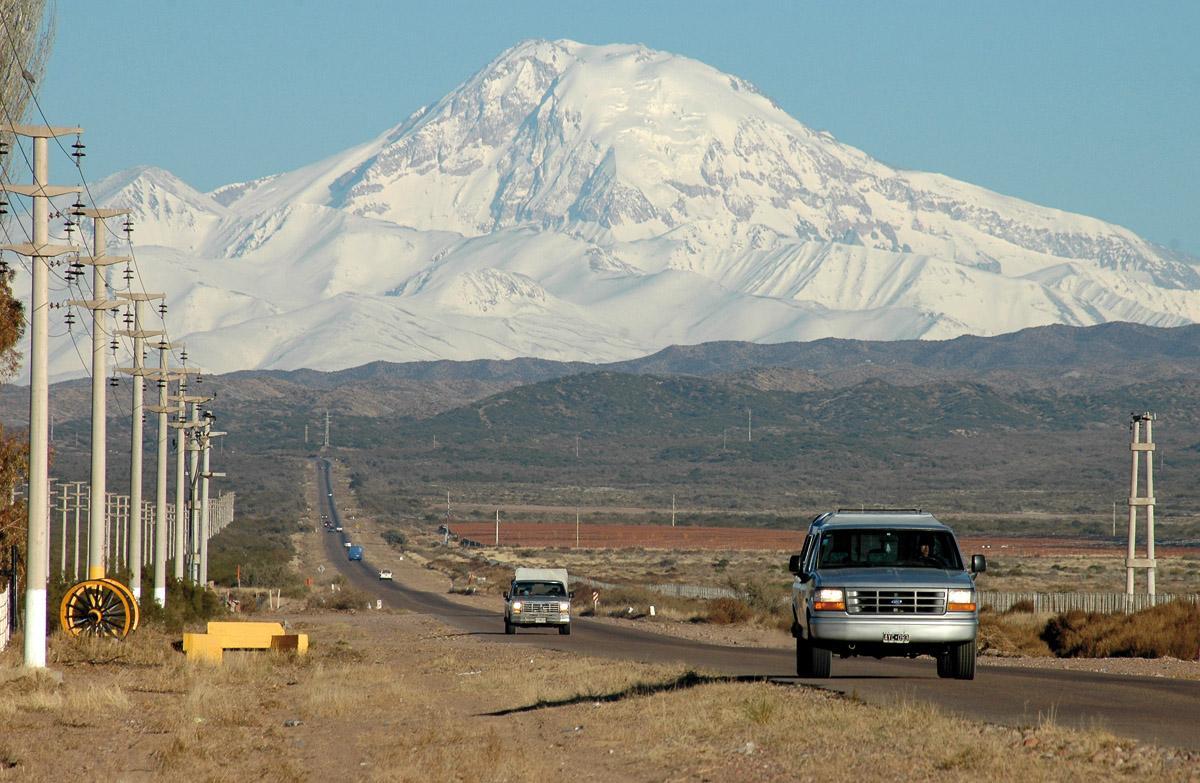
(558, 534)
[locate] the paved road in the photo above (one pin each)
(1160, 710)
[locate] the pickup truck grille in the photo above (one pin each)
(896, 601)
(540, 609)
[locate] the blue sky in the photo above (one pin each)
(1088, 107)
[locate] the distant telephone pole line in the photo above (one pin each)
(326, 428)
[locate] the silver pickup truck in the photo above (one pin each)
(883, 583)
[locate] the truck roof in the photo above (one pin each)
(541, 575)
(879, 518)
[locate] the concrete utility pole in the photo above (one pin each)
(189, 439)
(497, 527)
(137, 375)
(78, 507)
(207, 434)
(326, 428)
(672, 510)
(101, 330)
(749, 425)
(1138, 423)
(39, 251)
(162, 518)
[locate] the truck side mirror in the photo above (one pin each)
(978, 564)
(794, 564)
(571, 594)
(506, 596)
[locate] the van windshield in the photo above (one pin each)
(552, 589)
(875, 548)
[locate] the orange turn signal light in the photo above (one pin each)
(960, 608)
(829, 606)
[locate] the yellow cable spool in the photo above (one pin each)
(97, 607)
(133, 602)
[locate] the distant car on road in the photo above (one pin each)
(347, 545)
(354, 553)
(338, 528)
(385, 574)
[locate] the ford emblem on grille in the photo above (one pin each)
(896, 602)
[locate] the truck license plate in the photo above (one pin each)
(539, 619)
(895, 638)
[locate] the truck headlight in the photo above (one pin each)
(829, 599)
(516, 607)
(960, 601)
(564, 606)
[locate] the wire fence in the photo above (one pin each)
(1086, 602)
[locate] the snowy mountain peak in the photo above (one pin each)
(571, 201)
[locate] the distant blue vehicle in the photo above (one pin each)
(355, 553)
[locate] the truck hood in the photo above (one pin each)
(934, 578)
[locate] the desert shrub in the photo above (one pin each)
(395, 538)
(1025, 605)
(344, 600)
(1172, 629)
(727, 611)
(187, 604)
(1011, 633)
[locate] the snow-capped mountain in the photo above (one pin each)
(602, 202)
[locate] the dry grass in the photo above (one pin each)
(399, 697)
(1171, 629)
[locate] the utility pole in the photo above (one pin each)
(207, 434)
(62, 568)
(162, 535)
(672, 509)
(39, 250)
(78, 506)
(497, 527)
(577, 527)
(188, 439)
(1139, 423)
(101, 327)
(326, 428)
(749, 425)
(137, 375)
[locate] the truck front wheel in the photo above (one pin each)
(812, 661)
(564, 630)
(509, 628)
(962, 661)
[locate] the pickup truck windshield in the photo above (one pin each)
(883, 548)
(553, 589)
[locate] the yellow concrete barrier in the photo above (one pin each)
(223, 636)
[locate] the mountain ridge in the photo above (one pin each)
(599, 203)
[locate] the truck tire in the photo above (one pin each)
(564, 630)
(812, 661)
(943, 664)
(962, 661)
(509, 628)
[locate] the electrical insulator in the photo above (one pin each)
(162, 309)
(161, 383)
(127, 318)
(183, 357)
(114, 381)
(69, 225)
(77, 208)
(79, 148)
(199, 378)
(114, 345)
(3, 206)
(70, 319)
(128, 275)
(3, 147)
(128, 227)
